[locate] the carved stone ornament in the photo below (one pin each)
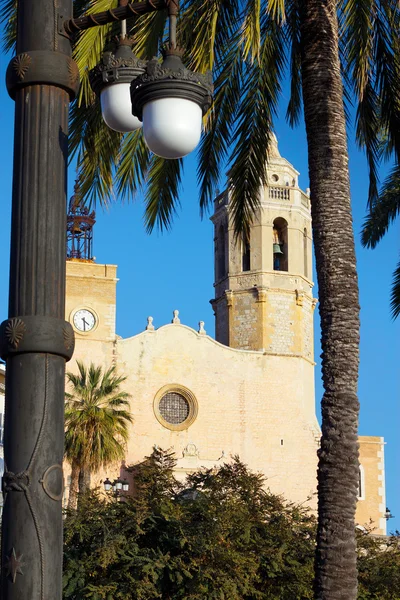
(229, 297)
(262, 294)
(13, 565)
(15, 330)
(299, 297)
(191, 450)
(149, 326)
(202, 331)
(176, 318)
(21, 64)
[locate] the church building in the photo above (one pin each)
(249, 392)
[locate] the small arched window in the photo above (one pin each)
(246, 254)
(305, 252)
(280, 244)
(221, 268)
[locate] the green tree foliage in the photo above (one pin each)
(96, 421)
(220, 535)
(378, 567)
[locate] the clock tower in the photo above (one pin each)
(91, 288)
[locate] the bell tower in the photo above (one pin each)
(90, 287)
(263, 288)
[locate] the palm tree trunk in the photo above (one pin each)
(84, 480)
(73, 488)
(336, 571)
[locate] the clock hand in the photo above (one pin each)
(84, 323)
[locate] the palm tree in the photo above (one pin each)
(96, 423)
(336, 52)
(336, 575)
(382, 213)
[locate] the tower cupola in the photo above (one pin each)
(80, 224)
(263, 288)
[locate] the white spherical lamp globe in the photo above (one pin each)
(116, 108)
(172, 126)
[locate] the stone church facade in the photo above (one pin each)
(250, 391)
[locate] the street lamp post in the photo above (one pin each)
(35, 340)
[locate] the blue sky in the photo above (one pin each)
(160, 273)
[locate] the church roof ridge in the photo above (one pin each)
(198, 334)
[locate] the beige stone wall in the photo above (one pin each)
(244, 324)
(249, 404)
(372, 503)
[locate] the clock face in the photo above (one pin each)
(84, 320)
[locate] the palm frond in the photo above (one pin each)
(368, 136)
(293, 41)
(258, 105)
(395, 295)
(276, 9)
(383, 212)
(216, 139)
(251, 34)
(162, 195)
(148, 31)
(387, 52)
(8, 18)
(132, 168)
(89, 46)
(98, 149)
(359, 27)
(205, 28)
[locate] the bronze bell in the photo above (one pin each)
(277, 249)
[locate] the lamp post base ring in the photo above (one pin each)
(49, 335)
(39, 67)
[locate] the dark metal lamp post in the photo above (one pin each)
(35, 340)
